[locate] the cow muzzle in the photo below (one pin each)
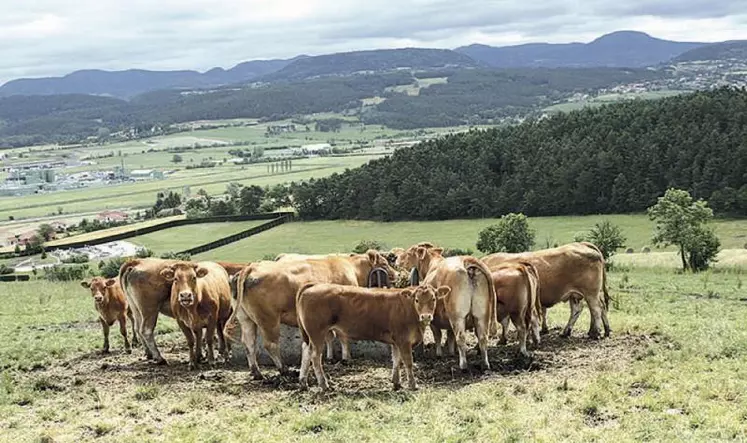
(426, 318)
(186, 298)
(98, 299)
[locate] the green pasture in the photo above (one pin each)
(673, 370)
(612, 98)
(189, 236)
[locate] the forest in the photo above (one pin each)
(614, 159)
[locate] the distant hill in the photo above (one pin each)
(375, 61)
(132, 82)
(618, 49)
(735, 49)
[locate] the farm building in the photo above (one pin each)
(112, 216)
(146, 174)
(22, 239)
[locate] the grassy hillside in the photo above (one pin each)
(185, 237)
(339, 236)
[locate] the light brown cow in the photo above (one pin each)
(397, 317)
(516, 286)
(571, 272)
(148, 294)
(111, 305)
(290, 256)
(266, 296)
(200, 298)
(471, 296)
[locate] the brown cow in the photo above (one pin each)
(266, 295)
(148, 294)
(470, 296)
(397, 317)
(516, 286)
(111, 306)
(200, 298)
(571, 273)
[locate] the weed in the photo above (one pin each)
(146, 392)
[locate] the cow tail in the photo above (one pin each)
(532, 280)
(240, 283)
(607, 297)
(301, 327)
(476, 264)
(124, 273)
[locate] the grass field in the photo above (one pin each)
(185, 237)
(342, 236)
(672, 371)
(611, 98)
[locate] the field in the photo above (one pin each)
(611, 98)
(185, 237)
(673, 370)
(342, 236)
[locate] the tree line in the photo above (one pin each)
(618, 158)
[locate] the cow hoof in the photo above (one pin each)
(413, 387)
(544, 331)
(595, 336)
(257, 376)
(104, 351)
(396, 387)
(128, 350)
(502, 341)
(565, 334)
(162, 362)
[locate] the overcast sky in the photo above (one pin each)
(55, 37)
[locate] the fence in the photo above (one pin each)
(238, 236)
(171, 224)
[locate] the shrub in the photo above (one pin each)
(511, 234)
(453, 252)
(76, 258)
(607, 237)
(110, 268)
(66, 273)
(176, 256)
(144, 253)
(702, 248)
(365, 245)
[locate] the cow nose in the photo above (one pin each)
(185, 296)
(98, 298)
(426, 317)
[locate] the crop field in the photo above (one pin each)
(185, 237)
(673, 370)
(611, 98)
(342, 236)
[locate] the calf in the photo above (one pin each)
(110, 303)
(200, 298)
(516, 288)
(394, 316)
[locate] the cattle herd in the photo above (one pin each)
(331, 296)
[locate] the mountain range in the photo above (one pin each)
(617, 49)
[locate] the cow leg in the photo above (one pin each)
(224, 347)
(605, 321)
(436, 331)
(210, 342)
(316, 361)
(596, 309)
(148, 329)
(576, 308)
(123, 330)
(105, 327)
(190, 336)
(450, 342)
(137, 322)
(396, 362)
(271, 338)
(535, 325)
(134, 329)
(405, 354)
(249, 338)
(329, 341)
(543, 313)
(504, 329)
(458, 327)
(482, 328)
(345, 344)
(303, 373)
(521, 331)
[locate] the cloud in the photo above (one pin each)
(55, 37)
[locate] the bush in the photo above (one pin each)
(66, 273)
(5, 270)
(607, 237)
(110, 268)
(76, 258)
(144, 253)
(511, 234)
(176, 256)
(365, 245)
(453, 252)
(702, 249)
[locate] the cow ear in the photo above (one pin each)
(85, 284)
(421, 251)
(167, 274)
(372, 256)
(438, 251)
(201, 272)
(408, 293)
(442, 292)
(111, 282)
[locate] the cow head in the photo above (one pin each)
(183, 276)
(424, 297)
(98, 287)
(378, 261)
(419, 257)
